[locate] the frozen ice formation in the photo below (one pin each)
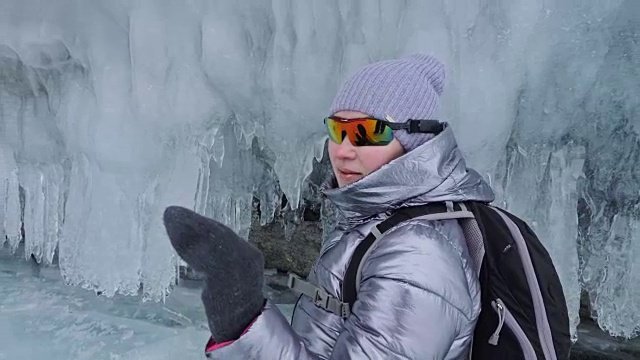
(110, 111)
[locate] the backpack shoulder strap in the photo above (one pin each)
(319, 297)
(352, 278)
(432, 211)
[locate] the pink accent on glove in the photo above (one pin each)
(212, 345)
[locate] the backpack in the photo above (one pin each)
(524, 313)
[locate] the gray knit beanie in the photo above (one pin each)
(405, 88)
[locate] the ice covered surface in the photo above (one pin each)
(111, 110)
(41, 318)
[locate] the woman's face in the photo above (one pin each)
(352, 163)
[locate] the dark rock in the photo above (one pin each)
(295, 253)
(292, 241)
(595, 344)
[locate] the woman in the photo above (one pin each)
(418, 295)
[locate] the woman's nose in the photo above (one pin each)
(346, 150)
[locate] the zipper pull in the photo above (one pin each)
(498, 306)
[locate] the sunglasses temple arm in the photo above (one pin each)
(420, 126)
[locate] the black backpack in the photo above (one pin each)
(524, 313)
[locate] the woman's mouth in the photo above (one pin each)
(348, 174)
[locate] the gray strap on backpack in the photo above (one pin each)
(542, 321)
(468, 223)
(320, 297)
(469, 226)
(473, 237)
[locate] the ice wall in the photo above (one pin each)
(112, 110)
(571, 163)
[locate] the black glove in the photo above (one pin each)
(233, 269)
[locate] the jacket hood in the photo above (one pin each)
(433, 172)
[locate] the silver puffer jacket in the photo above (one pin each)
(419, 297)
